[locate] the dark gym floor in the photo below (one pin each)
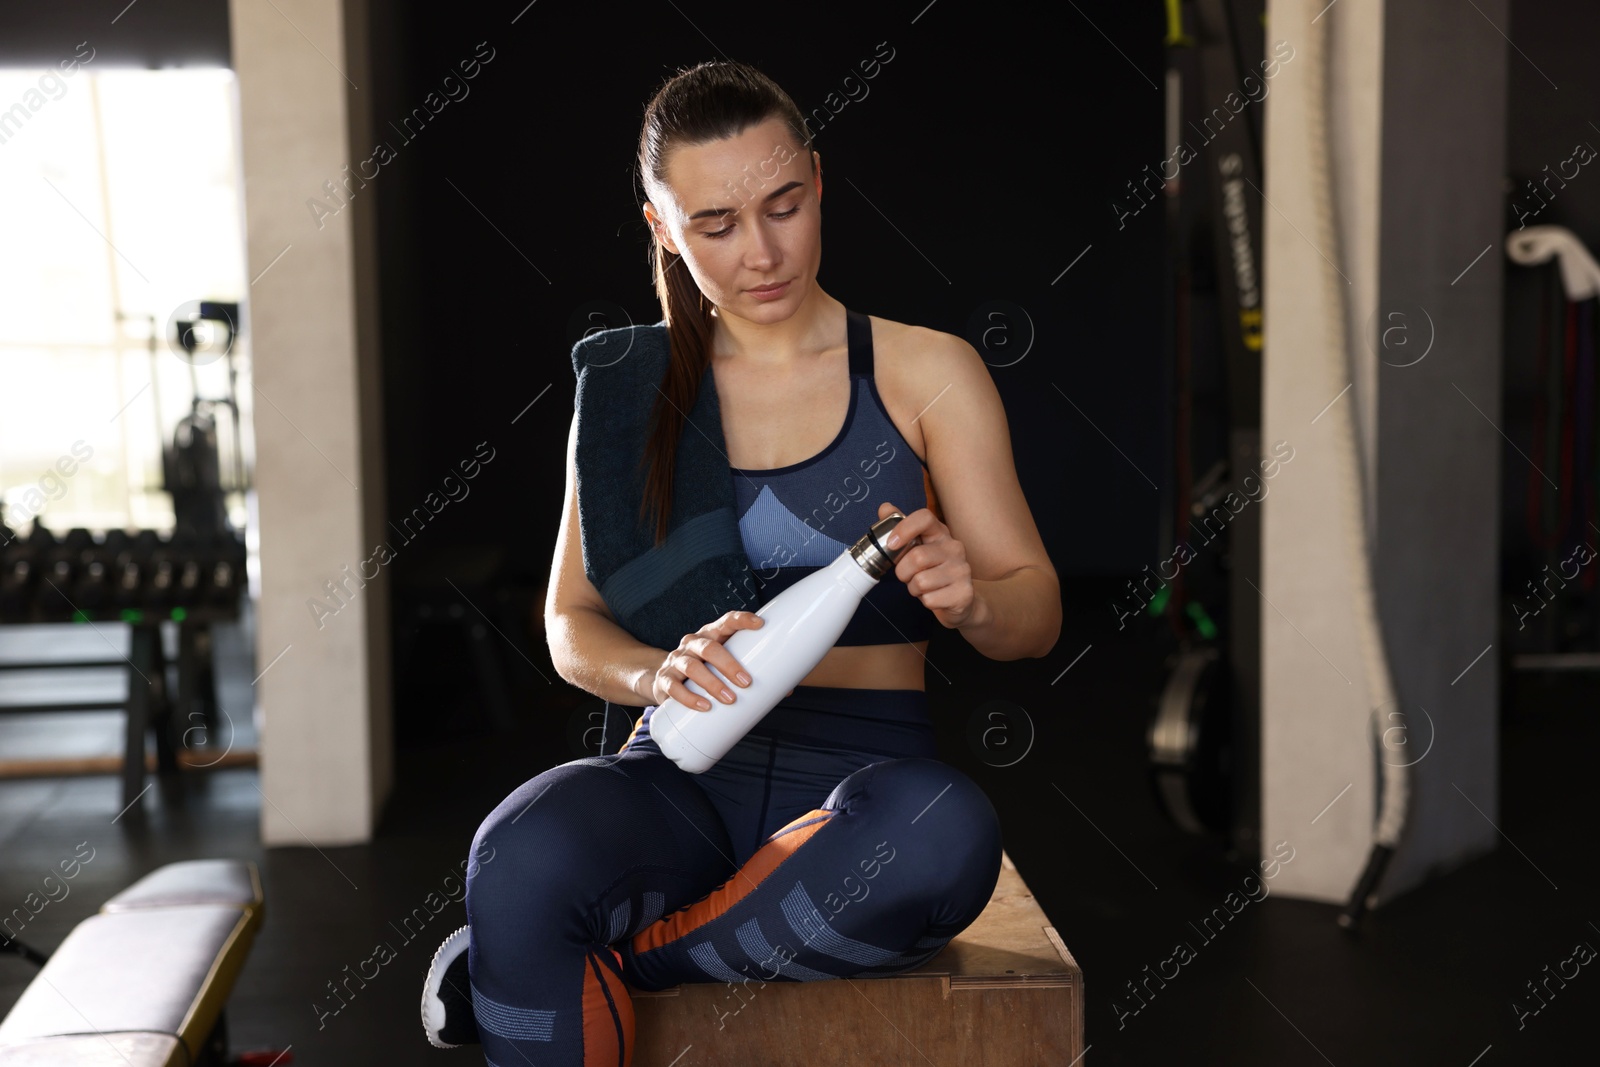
(1432, 980)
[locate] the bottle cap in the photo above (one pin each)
(870, 553)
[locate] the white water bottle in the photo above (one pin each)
(802, 624)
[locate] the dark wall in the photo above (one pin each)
(991, 149)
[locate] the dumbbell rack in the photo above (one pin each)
(137, 578)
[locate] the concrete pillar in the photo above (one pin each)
(1438, 420)
(1417, 151)
(326, 749)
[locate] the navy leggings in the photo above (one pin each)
(828, 843)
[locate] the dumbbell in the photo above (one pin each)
(160, 584)
(228, 573)
(129, 566)
(221, 558)
(56, 567)
(188, 575)
(92, 585)
(19, 573)
(72, 569)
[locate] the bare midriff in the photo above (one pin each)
(897, 666)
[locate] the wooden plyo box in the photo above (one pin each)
(1004, 993)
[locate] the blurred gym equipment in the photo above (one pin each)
(192, 576)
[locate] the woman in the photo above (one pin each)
(829, 842)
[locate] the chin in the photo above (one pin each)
(772, 310)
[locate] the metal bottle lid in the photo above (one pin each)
(870, 553)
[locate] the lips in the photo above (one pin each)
(769, 288)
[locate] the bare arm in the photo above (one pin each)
(587, 646)
(1006, 621)
(1016, 596)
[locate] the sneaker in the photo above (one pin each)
(447, 1016)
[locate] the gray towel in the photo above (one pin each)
(657, 594)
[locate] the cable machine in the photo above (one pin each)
(1204, 737)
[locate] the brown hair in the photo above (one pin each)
(714, 100)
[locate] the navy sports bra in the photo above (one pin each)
(796, 520)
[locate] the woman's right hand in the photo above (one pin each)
(696, 650)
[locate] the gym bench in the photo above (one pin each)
(143, 982)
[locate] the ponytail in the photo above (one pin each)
(688, 317)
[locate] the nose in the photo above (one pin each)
(762, 253)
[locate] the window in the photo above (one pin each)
(122, 207)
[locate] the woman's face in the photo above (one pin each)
(744, 212)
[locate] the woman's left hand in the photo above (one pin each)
(935, 567)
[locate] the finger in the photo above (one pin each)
(933, 576)
(682, 661)
(909, 528)
(708, 681)
(933, 530)
(916, 559)
(725, 662)
(733, 621)
(714, 650)
(687, 697)
(941, 584)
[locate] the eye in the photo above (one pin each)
(729, 229)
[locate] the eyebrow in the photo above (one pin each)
(710, 211)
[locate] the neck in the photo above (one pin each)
(811, 329)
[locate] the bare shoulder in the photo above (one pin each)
(907, 353)
(942, 396)
(914, 367)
